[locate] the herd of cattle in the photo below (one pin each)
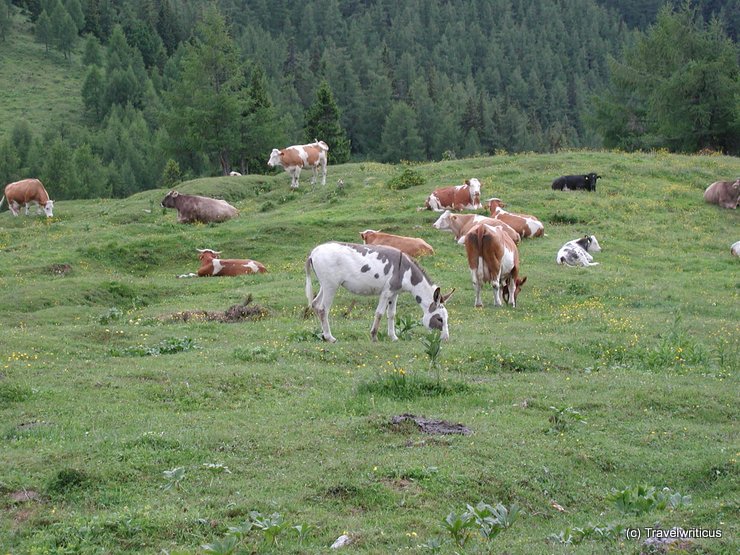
(385, 264)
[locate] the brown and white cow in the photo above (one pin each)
(493, 258)
(296, 157)
(724, 193)
(194, 208)
(460, 224)
(212, 265)
(25, 192)
(524, 224)
(412, 246)
(459, 197)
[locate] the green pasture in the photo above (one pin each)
(132, 423)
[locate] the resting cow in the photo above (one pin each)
(25, 192)
(212, 265)
(459, 197)
(724, 193)
(578, 252)
(295, 158)
(373, 270)
(735, 248)
(493, 258)
(524, 224)
(194, 208)
(460, 224)
(575, 182)
(410, 245)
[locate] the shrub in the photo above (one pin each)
(406, 179)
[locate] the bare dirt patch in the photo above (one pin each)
(235, 313)
(59, 269)
(431, 426)
(23, 495)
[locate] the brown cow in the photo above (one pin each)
(194, 208)
(459, 197)
(724, 193)
(212, 265)
(295, 158)
(460, 224)
(410, 245)
(524, 224)
(25, 192)
(493, 258)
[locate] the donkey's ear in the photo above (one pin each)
(437, 295)
(447, 296)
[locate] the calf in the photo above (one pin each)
(577, 252)
(524, 224)
(373, 270)
(25, 192)
(295, 158)
(460, 224)
(410, 245)
(459, 197)
(723, 193)
(575, 182)
(212, 265)
(194, 208)
(493, 258)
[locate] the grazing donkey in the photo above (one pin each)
(372, 270)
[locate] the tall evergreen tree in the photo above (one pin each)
(91, 54)
(66, 35)
(22, 137)
(44, 31)
(93, 92)
(10, 162)
(6, 20)
(58, 173)
(323, 123)
(401, 140)
(91, 176)
(74, 9)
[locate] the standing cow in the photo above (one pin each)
(295, 158)
(724, 193)
(25, 192)
(194, 208)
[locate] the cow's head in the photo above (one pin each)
(48, 208)
(494, 204)
(591, 181)
(275, 158)
(474, 188)
(169, 200)
(435, 317)
(505, 289)
(207, 254)
(593, 245)
(366, 234)
(443, 222)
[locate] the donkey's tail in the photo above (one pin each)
(309, 288)
(1, 201)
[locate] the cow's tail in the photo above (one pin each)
(309, 286)
(1, 201)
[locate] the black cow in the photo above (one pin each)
(575, 182)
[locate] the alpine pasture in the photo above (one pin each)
(132, 421)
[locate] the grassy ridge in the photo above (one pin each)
(38, 86)
(644, 347)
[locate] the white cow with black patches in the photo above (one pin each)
(372, 270)
(578, 252)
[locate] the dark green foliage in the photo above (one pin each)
(44, 29)
(407, 178)
(401, 139)
(5, 19)
(171, 175)
(323, 124)
(67, 480)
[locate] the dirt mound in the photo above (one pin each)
(235, 313)
(429, 426)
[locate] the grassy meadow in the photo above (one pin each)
(132, 422)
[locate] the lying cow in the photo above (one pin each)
(524, 224)
(295, 158)
(25, 192)
(410, 245)
(460, 224)
(194, 208)
(735, 248)
(493, 258)
(724, 193)
(459, 197)
(578, 252)
(212, 265)
(234, 174)
(575, 182)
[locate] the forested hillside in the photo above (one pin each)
(188, 88)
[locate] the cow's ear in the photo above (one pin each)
(437, 295)
(174, 194)
(521, 281)
(467, 182)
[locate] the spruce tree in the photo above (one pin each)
(323, 124)
(401, 140)
(44, 30)
(6, 20)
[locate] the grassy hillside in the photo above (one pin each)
(38, 86)
(128, 428)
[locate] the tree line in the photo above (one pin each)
(194, 88)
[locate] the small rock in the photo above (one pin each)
(341, 541)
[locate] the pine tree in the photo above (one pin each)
(93, 91)
(92, 55)
(91, 176)
(401, 140)
(22, 139)
(323, 124)
(6, 20)
(10, 162)
(58, 173)
(74, 9)
(44, 30)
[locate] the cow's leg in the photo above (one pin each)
(476, 286)
(314, 173)
(391, 315)
(26, 206)
(323, 172)
(511, 286)
(385, 298)
(15, 208)
(321, 305)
